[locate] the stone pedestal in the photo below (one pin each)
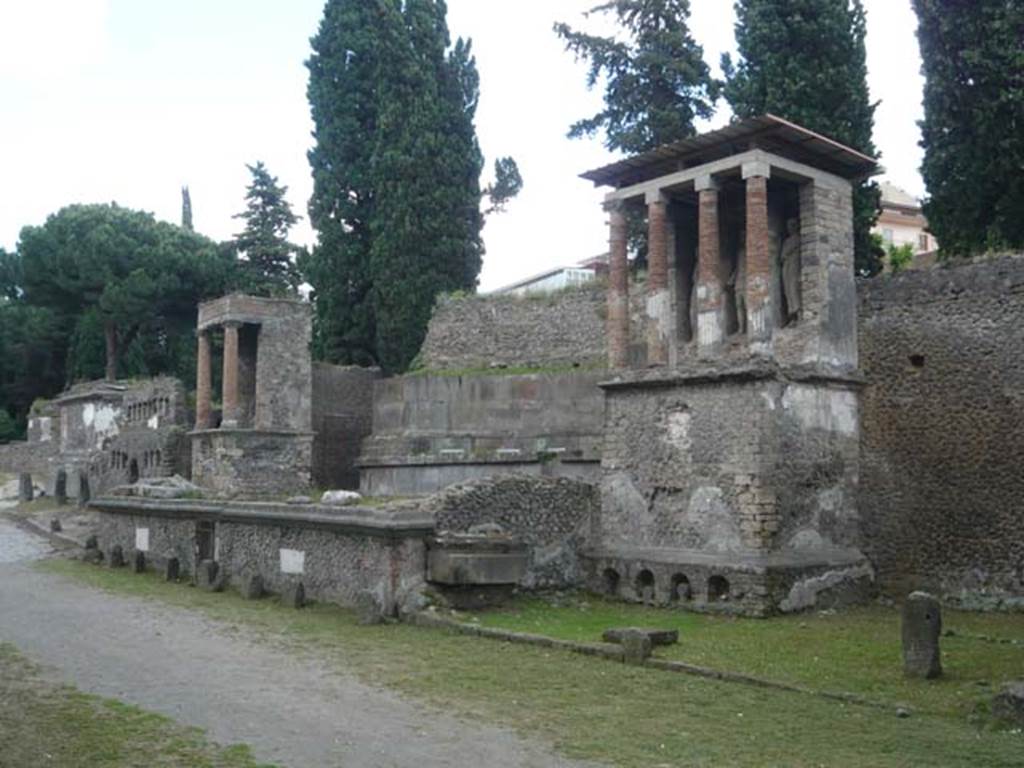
(921, 630)
(25, 490)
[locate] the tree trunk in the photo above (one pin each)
(110, 333)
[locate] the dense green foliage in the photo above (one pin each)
(656, 81)
(973, 128)
(100, 290)
(396, 173)
(269, 260)
(805, 61)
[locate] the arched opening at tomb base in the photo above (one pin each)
(681, 591)
(610, 579)
(718, 589)
(645, 586)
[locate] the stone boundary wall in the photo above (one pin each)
(342, 417)
(942, 445)
(551, 515)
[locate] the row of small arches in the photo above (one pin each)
(644, 587)
(142, 411)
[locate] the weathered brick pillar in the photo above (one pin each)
(204, 383)
(759, 262)
(230, 395)
(659, 307)
(709, 286)
(618, 288)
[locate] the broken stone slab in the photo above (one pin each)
(174, 487)
(921, 629)
(116, 557)
(299, 500)
(251, 587)
(636, 646)
(658, 637)
(208, 576)
(294, 595)
(172, 569)
(486, 529)
(1009, 703)
(139, 562)
(341, 498)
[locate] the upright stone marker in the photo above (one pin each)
(116, 557)
(25, 490)
(922, 625)
(172, 569)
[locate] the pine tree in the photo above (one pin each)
(657, 83)
(973, 127)
(186, 210)
(343, 99)
(270, 268)
(805, 61)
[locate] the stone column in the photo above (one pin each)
(709, 285)
(759, 258)
(230, 394)
(204, 383)
(659, 308)
(618, 288)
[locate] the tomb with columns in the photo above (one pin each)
(731, 442)
(263, 439)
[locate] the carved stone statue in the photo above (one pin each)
(736, 284)
(789, 258)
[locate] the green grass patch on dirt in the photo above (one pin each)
(46, 724)
(853, 651)
(591, 708)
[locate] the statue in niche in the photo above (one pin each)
(736, 286)
(789, 259)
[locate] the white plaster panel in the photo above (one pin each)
(293, 561)
(142, 539)
(819, 408)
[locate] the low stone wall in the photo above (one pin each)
(430, 431)
(252, 462)
(342, 417)
(342, 556)
(564, 328)
(943, 430)
(551, 515)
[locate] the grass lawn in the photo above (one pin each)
(45, 724)
(855, 651)
(590, 708)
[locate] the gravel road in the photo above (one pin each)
(290, 711)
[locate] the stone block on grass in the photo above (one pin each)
(251, 587)
(294, 595)
(921, 629)
(209, 576)
(1009, 703)
(636, 646)
(139, 562)
(172, 569)
(116, 557)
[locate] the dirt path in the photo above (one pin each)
(289, 711)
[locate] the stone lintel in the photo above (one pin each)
(706, 183)
(776, 164)
(744, 561)
(655, 196)
(765, 370)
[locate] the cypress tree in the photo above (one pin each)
(805, 61)
(973, 127)
(657, 83)
(186, 209)
(344, 72)
(427, 164)
(269, 264)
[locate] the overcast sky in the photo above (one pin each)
(128, 100)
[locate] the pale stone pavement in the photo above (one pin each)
(292, 712)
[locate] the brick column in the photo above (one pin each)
(659, 308)
(759, 261)
(618, 288)
(204, 383)
(709, 286)
(230, 379)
